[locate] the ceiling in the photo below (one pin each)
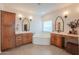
(36, 8)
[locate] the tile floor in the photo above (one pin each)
(31, 49)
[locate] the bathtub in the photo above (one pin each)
(41, 39)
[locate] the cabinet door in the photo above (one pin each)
(58, 41)
(7, 37)
(8, 18)
(8, 30)
(25, 38)
(52, 39)
(29, 37)
(18, 40)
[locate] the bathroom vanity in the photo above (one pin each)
(68, 41)
(23, 38)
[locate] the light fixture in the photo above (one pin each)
(66, 14)
(30, 17)
(20, 16)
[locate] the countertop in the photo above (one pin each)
(22, 32)
(65, 34)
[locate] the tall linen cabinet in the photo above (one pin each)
(7, 30)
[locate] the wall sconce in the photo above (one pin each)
(30, 18)
(20, 16)
(66, 14)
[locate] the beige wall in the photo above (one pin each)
(36, 24)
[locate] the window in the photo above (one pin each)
(47, 26)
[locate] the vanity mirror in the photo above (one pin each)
(25, 24)
(59, 24)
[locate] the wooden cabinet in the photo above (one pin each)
(7, 30)
(23, 38)
(8, 18)
(19, 40)
(56, 40)
(27, 38)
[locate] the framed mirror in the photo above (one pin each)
(59, 24)
(25, 24)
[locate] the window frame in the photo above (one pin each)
(43, 26)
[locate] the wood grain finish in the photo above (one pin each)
(56, 40)
(7, 30)
(72, 48)
(23, 39)
(27, 38)
(0, 31)
(19, 40)
(8, 18)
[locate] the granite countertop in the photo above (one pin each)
(65, 34)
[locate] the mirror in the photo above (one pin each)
(59, 24)
(25, 24)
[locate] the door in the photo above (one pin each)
(6, 37)
(8, 18)
(8, 30)
(58, 41)
(29, 37)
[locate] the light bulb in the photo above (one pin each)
(20, 16)
(66, 13)
(30, 17)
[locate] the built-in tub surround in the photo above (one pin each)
(41, 39)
